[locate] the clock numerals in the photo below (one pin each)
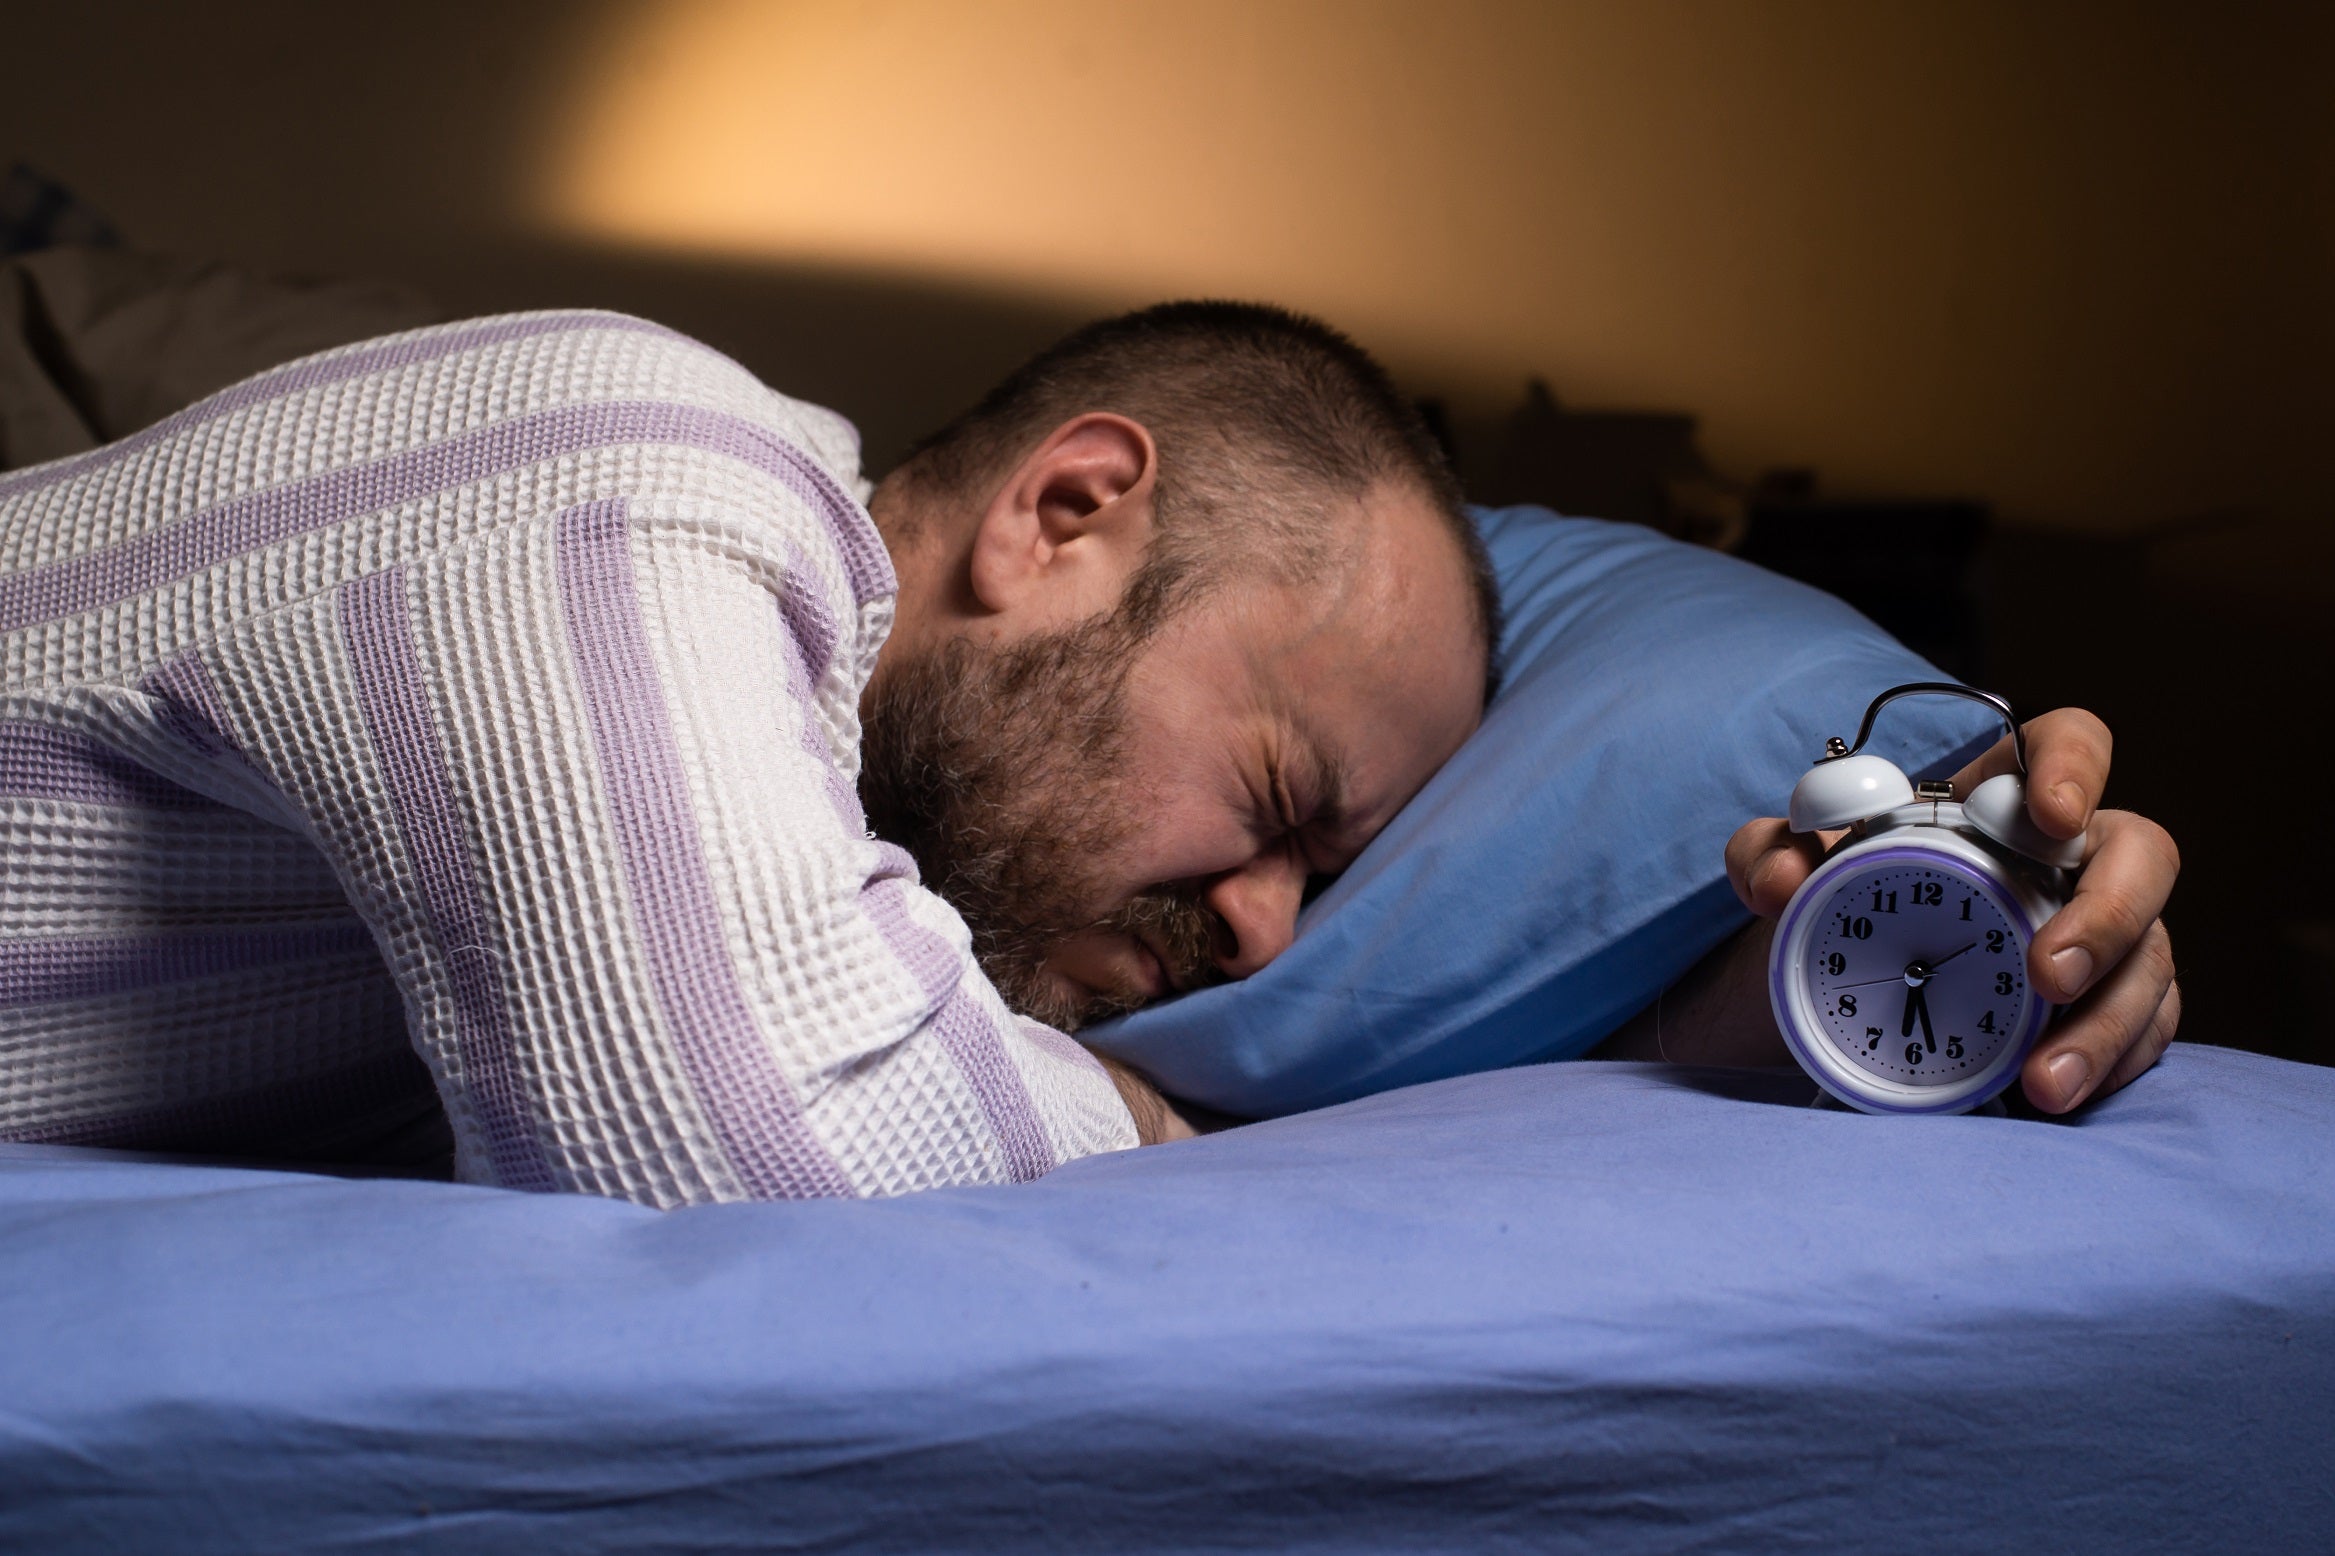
(1912, 974)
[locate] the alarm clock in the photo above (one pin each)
(1899, 969)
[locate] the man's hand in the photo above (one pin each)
(2105, 954)
(1156, 1122)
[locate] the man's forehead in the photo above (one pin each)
(1402, 587)
(1392, 572)
(1379, 675)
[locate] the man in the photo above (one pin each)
(496, 695)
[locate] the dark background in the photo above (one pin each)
(2012, 323)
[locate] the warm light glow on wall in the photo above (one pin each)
(1906, 244)
(1296, 151)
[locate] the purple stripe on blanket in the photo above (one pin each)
(723, 1051)
(40, 972)
(809, 625)
(867, 563)
(204, 540)
(250, 1120)
(378, 634)
(966, 1031)
(186, 702)
(802, 605)
(974, 1041)
(313, 373)
(40, 763)
(893, 860)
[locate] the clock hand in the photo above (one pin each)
(1913, 994)
(1921, 1005)
(1866, 983)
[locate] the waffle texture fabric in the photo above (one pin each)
(475, 712)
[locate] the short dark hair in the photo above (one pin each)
(1262, 417)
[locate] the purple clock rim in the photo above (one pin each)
(1803, 903)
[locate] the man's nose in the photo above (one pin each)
(1258, 905)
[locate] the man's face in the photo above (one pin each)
(1117, 820)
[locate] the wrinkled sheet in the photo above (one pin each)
(1595, 1307)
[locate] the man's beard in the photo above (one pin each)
(999, 771)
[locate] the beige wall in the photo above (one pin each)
(2074, 258)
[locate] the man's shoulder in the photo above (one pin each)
(685, 389)
(636, 357)
(828, 436)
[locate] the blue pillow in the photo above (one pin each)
(1568, 863)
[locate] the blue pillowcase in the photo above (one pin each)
(1567, 864)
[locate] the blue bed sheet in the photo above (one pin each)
(1595, 1307)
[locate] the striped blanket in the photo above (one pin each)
(472, 715)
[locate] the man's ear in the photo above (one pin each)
(1064, 533)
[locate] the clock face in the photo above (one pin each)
(1916, 970)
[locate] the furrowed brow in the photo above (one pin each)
(1329, 781)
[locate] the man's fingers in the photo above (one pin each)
(1997, 758)
(2123, 888)
(1767, 861)
(2152, 1045)
(2067, 768)
(2111, 1036)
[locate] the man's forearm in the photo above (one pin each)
(1156, 1121)
(1718, 1013)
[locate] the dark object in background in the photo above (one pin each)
(1633, 467)
(1909, 565)
(98, 342)
(37, 212)
(2203, 647)
(1608, 464)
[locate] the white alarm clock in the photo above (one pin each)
(1899, 969)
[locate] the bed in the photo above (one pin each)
(1585, 1306)
(1446, 1296)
